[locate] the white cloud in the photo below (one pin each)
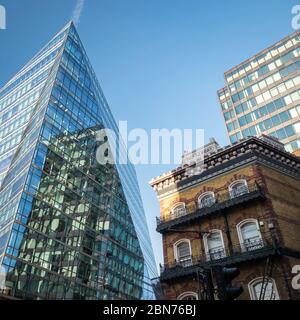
(78, 12)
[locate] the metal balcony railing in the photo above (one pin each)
(216, 253)
(221, 201)
(248, 250)
(252, 244)
(179, 213)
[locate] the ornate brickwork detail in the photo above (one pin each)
(273, 177)
(223, 157)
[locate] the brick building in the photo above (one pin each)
(242, 209)
(297, 153)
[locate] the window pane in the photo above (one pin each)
(268, 294)
(214, 241)
(183, 250)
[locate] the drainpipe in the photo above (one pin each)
(227, 231)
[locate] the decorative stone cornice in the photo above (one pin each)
(228, 158)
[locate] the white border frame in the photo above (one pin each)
(175, 245)
(231, 186)
(239, 232)
(187, 294)
(204, 195)
(206, 244)
(177, 205)
(258, 280)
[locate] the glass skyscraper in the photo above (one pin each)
(262, 94)
(70, 228)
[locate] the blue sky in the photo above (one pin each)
(159, 62)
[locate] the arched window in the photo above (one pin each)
(206, 199)
(238, 188)
(188, 296)
(182, 252)
(214, 245)
(179, 210)
(249, 235)
(261, 289)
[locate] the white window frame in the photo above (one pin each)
(231, 186)
(177, 205)
(258, 280)
(203, 195)
(187, 294)
(205, 242)
(175, 246)
(239, 231)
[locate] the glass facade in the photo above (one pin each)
(262, 95)
(70, 228)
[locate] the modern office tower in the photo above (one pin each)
(262, 94)
(241, 211)
(70, 227)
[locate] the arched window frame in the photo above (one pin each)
(240, 235)
(178, 204)
(205, 242)
(186, 262)
(254, 282)
(234, 183)
(187, 294)
(203, 195)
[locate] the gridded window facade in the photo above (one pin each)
(67, 228)
(262, 95)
